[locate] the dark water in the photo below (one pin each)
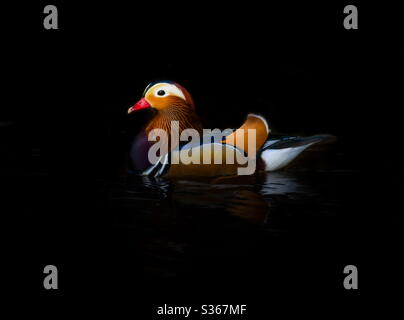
(227, 240)
(239, 227)
(184, 218)
(290, 230)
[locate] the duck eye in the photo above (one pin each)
(161, 93)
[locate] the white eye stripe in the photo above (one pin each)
(168, 89)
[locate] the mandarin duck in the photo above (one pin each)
(174, 111)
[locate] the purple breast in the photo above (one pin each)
(139, 152)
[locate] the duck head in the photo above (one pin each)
(171, 102)
(162, 96)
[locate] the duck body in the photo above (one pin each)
(229, 153)
(214, 154)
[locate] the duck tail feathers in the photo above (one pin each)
(294, 142)
(278, 153)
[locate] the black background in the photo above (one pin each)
(67, 94)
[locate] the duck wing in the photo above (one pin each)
(240, 137)
(213, 158)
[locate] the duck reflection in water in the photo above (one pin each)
(247, 197)
(175, 222)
